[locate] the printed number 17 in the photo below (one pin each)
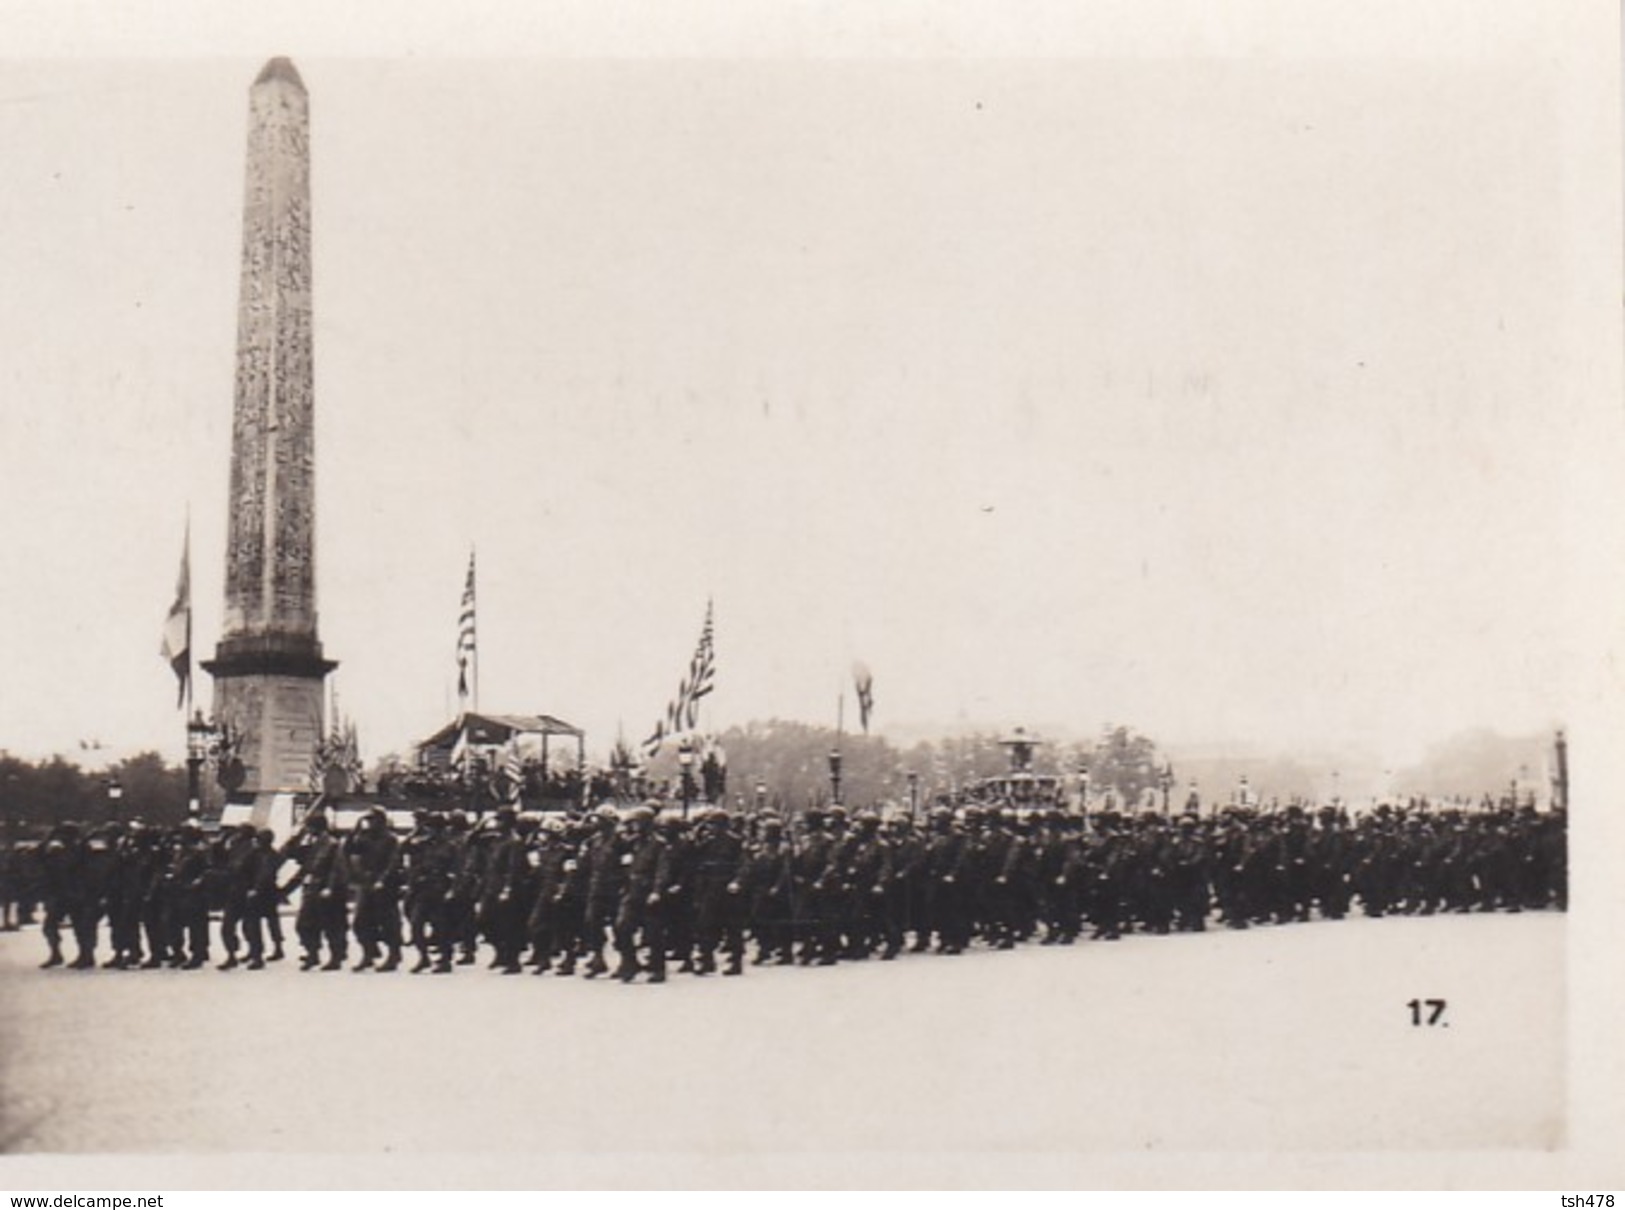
(1435, 1012)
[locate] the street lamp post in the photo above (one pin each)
(835, 776)
(115, 795)
(685, 765)
(8, 846)
(913, 793)
(1083, 787)
(1166, 780)
(761, 794)
(199, 734)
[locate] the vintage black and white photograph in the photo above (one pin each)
(811, 597)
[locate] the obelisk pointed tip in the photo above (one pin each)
(280, 68)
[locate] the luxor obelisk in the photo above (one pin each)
(268, 668)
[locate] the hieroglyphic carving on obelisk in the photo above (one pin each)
(268, 668)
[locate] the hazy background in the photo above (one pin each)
(1237, 381)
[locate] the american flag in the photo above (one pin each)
(318, 763)
(465, 636)
(683, 711)
(513, 768)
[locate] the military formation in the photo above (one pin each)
(637, 892)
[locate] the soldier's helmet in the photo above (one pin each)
(554, 825)
(457, 821)
(868, 820)
(606, 813)
(265, 836)
(315, 822)
(1187, 821)
(640, 816)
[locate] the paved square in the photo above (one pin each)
(1294, 1038)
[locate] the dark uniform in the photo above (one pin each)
(947, 906)
(239, 855)
(374, 875)
(504, 883)
(602, 856)
(719, 906)
(638, 916)
(60, 861)
(1188, 876)
(817, 927)
(550, 865)
(767, 880)
(186, 885)
(323, 886)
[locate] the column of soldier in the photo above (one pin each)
(653, 891)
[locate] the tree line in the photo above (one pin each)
(35, 793)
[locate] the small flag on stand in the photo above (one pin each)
(176, 647)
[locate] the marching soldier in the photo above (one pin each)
(947, 911)
(430, 858)
(549, 859)
(264, 902)
(504, 910)
(61, 885)
(131, 876)
(98, 872)
(374, 871)
(815, 923)
(677, 902)
(570, 904)
(866, 874)
(186, 888)
(1187, 876)
(323, 885)
(638, 915)
(766, 879)
(1330, 852)
(602, 856)
(718, 857)
(239, 854)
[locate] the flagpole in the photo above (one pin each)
(186, 559)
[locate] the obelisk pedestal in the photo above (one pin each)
(268, 668)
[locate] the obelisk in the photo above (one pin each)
(268, 668)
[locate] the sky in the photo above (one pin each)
(1247, 379)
